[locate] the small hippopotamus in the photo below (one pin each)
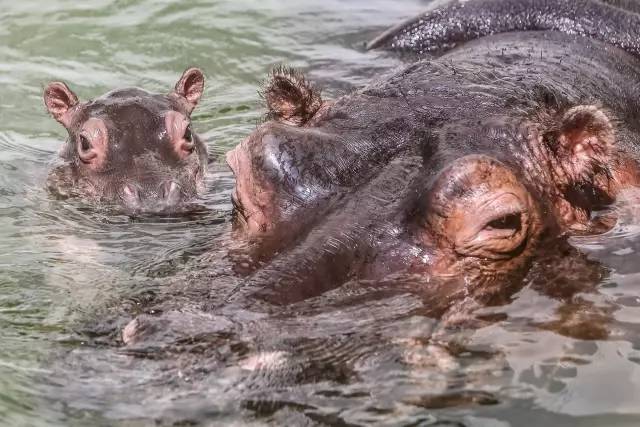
(461, 166)
(130, 148)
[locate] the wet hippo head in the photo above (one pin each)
(130, 147)
(431, 172)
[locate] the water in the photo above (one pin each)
(72, 277)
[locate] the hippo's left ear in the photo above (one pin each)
(582, 141)
(190, 87)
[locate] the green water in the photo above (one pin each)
(60, 262)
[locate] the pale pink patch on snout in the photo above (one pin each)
(91, 143)
(252, 199)
(180, 133)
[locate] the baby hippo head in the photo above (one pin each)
(130, 148)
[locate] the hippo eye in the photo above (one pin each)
(188, 146)
(508, 222)
(85, 145)
(86, 150)
(188, 136)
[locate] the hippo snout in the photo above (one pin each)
(145, 198)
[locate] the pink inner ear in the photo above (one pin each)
(176, 125)
(587, 131)
(191, 86)
(95, 130)
(60, 102)
(584, 145)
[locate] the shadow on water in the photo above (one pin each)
(560, 349)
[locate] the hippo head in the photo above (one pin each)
(381, 182)
(130, 147)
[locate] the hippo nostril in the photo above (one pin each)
(131, 195)
(170, 192)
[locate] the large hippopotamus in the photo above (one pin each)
(130, 148)
(518, 125)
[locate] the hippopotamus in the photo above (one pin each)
(517, 125)
(130, 148)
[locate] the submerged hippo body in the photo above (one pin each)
(130, 148)
(461, 168)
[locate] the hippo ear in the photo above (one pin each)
(60, 101)
(190, 87)
(583, 142)
(290, 98)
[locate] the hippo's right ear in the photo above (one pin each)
(190, 87)
(582, 142)
(60, 101)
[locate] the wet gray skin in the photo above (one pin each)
(459, 21)
(455, 168)
(130, 148)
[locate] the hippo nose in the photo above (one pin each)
(131, 196)
(151, 198)
(170, 193)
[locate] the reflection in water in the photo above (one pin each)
(561, 350)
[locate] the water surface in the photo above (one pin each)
(71, 277)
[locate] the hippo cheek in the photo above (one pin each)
(394, 252)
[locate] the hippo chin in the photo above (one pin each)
(463, 166)
(129, 147)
